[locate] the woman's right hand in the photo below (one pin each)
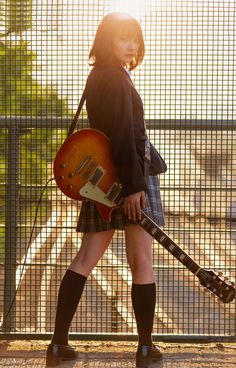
(134, 204)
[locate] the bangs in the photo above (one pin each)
(130, 28)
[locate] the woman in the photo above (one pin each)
(115, 108)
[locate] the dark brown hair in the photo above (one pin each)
(113, 25)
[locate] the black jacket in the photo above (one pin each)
(115, 108)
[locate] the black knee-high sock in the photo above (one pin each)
(144, 301)
(69, 295)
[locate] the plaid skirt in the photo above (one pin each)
(91, 221)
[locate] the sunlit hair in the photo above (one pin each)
(112, 26)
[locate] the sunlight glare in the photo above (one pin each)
(134, 7)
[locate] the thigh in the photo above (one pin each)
(138, 242)
(92, 248)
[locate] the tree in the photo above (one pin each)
(22, 95)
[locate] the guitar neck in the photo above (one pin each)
(158, 234)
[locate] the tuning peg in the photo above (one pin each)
(220, 273)
(232, 283)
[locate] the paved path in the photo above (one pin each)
(31, 354)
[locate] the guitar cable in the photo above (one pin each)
(26, 252)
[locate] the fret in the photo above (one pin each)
(153, 231)
(162, 238)
(171, 247)
(182, 257)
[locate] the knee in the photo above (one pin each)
(83, 263)
(140, 262)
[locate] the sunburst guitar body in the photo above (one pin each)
(83, 168)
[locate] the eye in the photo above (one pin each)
(124, 38)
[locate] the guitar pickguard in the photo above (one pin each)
(94, 193)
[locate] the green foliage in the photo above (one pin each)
(22, 95)
(18, 15)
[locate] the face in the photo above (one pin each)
(125, 48)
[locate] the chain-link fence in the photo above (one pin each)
(187, 83)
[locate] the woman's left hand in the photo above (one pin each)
(133, 205)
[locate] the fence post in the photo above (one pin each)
(12, 207)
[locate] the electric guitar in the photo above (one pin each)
(83, 169)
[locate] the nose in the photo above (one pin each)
(132, 45)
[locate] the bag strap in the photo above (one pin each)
(147, 159)
(76, 117)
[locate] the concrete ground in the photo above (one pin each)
(94, 354)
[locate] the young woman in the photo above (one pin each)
(115, 108)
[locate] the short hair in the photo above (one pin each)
(111, 26)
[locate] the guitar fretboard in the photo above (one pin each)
(154, 230)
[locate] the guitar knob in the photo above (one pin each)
(62, 166)
(69, 186)
(71, 174)
(61, 177)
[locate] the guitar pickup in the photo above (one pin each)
(97, 175)
(113, 192)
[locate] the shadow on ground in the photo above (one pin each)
(31, 354)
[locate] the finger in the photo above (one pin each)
(127, 210)
(133, 212)
(143, 200)
(139, 211)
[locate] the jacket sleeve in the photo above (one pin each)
(120, 130)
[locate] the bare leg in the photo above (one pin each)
(92, 248)
(139, 254)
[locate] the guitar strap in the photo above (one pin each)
(76, 117)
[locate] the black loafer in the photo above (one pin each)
(146, 356)
(58, 353)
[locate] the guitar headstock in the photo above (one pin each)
(217, 284)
